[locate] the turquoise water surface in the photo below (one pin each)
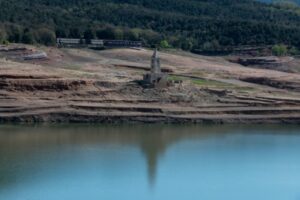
(149, 162)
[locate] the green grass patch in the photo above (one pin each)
(175, 78)
(211, 83)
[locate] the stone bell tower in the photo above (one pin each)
(155, 63)
(155, 78)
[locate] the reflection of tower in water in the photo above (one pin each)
(152, 148)
(153, 141)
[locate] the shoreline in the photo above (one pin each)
(61, 118)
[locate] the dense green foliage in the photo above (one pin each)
(281, 1)
(279, 50)
(187, 24)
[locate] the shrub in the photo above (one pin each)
(164, 44)
(279, 50)
(294, 51)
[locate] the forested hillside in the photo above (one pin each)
(281, 1)
(187, 24)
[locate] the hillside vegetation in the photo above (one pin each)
(186, 24)
(281, 1)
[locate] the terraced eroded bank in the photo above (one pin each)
(97, 89)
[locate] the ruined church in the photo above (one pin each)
(155, 78)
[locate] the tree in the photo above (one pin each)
(2, 36)
(279, 50)
(187, 44)
(106, 33)
(118, 34)
(14, 33)
(28, 37)
(230, 22)
(88, 35)
(46, 37)
(74, 33)
(211, 46)
(164, 44)
(61, 33)
(131, 34)
(150, 37)
(294, 51)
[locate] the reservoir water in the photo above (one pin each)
(149, 162)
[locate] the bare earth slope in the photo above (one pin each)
(80, 85)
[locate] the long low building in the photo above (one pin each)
(122, 43)
(75, 42)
